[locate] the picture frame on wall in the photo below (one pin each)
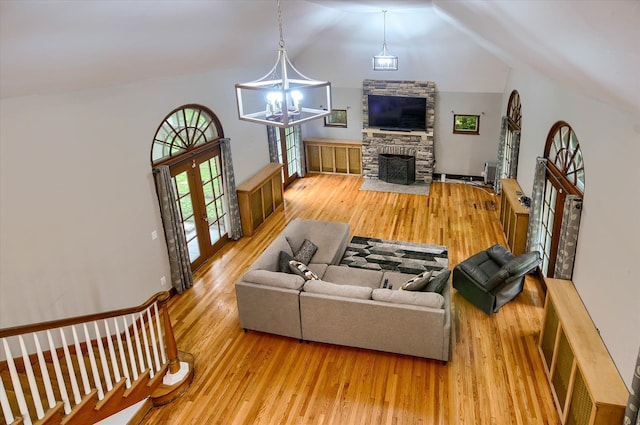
(466, 124)
(337, 118)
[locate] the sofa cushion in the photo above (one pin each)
(268, 260)
(438, 282)
(417, 283)
(305, 252)
(302, 270)
(353, 276)
(329, 288)
(281, 280)
(318, 269)
(425, 299)
(330, 237)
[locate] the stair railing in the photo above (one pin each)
(84, 355)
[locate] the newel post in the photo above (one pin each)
(177, 370)
(169, 339)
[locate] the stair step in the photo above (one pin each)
(118, 387)
(116, 391)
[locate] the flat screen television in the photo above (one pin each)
(397, 112)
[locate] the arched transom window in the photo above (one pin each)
(184, 130)
(514, 110)
(563, 151)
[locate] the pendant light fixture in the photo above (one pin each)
(280, 98)
(385, 61)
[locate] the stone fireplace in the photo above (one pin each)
(405, 143)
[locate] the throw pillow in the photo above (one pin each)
(424, 299)
(283, 262)
(302, 270)
(438, 282)
(306, 251)
(417, 283)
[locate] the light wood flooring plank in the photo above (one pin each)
(495, 374)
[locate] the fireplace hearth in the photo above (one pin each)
(398, 169)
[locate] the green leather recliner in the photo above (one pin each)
(493, 277)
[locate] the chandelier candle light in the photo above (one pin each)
(277, 98)
(385, 61)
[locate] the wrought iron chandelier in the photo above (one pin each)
(281, 97)
(385, 61)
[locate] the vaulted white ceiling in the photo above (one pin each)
(56, 45)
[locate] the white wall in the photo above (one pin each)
(348, 98)
(462, 153)
(608, 249)
(77, 194)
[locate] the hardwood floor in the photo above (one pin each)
(495, 374)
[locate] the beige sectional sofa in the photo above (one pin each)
(347, 306)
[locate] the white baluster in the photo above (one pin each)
(48, 388)
(31, 378)
(81, 365)
(92, 361)
(132, 357)
(17, 387)
(59, 377)
(112, 352)
(103, 359)
(123, 357)
(163, 351)
(146, 345)
(138, 346)
(72, 373)
(4, 403)
(152, 332)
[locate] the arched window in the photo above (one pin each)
(509, 141)
(561, 195)
(188, 142)
(514, 110)
(565, 157)
(184, 130)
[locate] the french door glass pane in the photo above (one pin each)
(279, 145)
(507, 150)
(194, 249)
(185, 205)
(292, 157)
(548, 217)
(213, 197)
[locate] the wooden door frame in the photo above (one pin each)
(185, 163)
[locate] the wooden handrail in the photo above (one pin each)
(142, 346)
(160, 297)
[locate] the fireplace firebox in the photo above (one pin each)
(399, 169)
